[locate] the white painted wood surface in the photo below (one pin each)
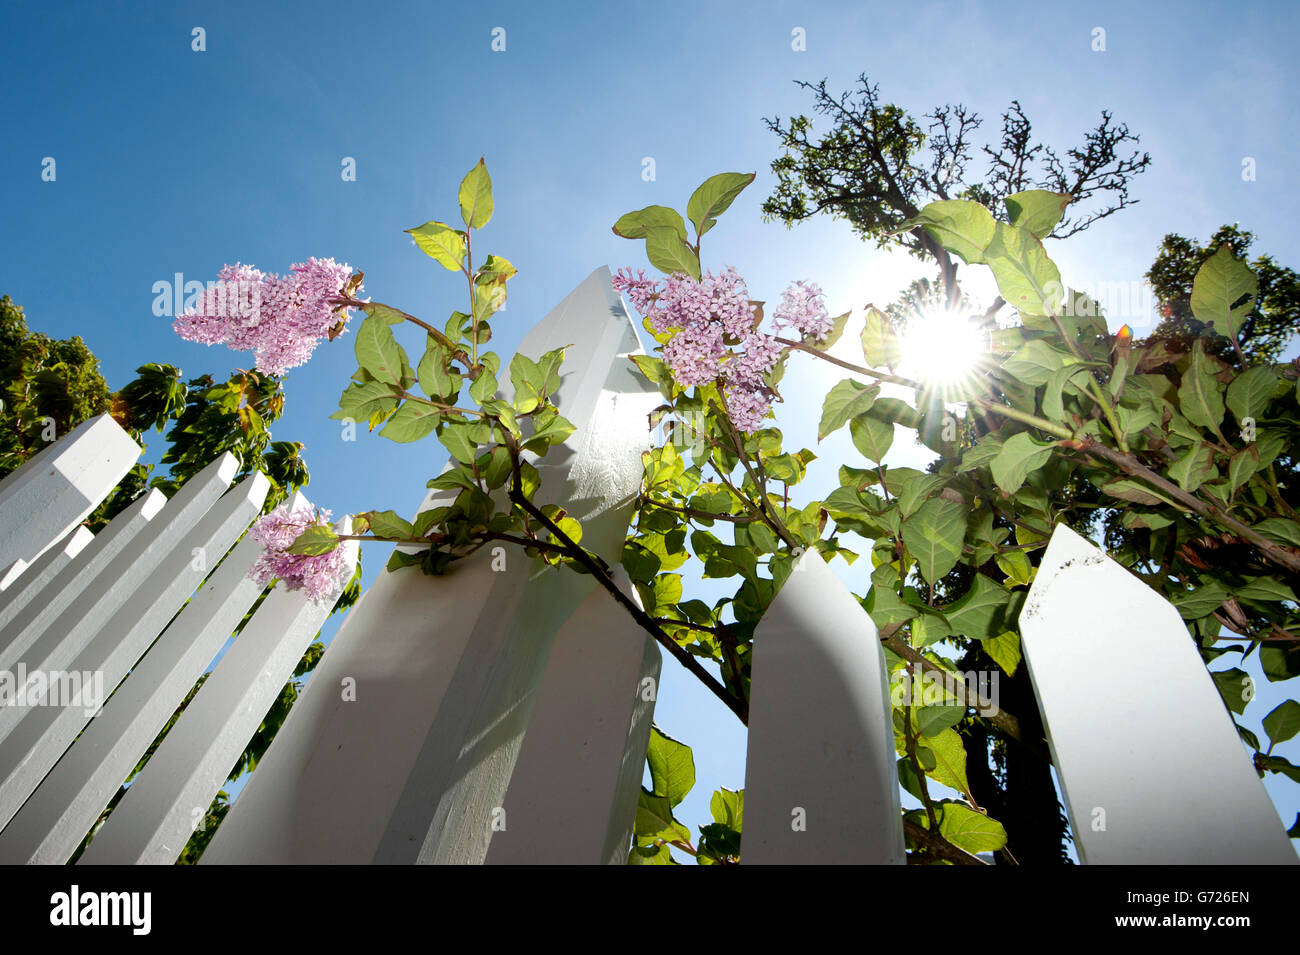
(821, 783)
(51, 643)
(83, 584)
(43, 733)
(584, 753)
(1152, 770)
(32, 579)
(158, 814)
(60, 485)
(50, 825)
(445, 670)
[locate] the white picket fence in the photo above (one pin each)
(503, 717)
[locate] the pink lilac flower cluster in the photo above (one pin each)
(278, 318)
(803, 308)
(716, 337)
(319, 576)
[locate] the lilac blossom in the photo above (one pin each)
(319, 576)
(715, 336)
(278, 318)
(803, 308)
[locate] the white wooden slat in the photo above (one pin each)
(50, 825)
(50, 643)
(42, 501)
(821, 783)
(131, 567)
(157, 815)
(44, 732)
(444, 670)
(381, 679)
(79, 583)
(1152, 770)
(31, 579)
(573, 793)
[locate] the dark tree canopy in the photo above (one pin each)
(50, 386)
(877, 165)
(1270, 324)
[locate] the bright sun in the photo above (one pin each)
(942, 347)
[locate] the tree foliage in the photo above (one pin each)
(1266, 327)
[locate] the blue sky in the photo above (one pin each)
(170, 160)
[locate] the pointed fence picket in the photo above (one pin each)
(1151, 766)
(501, 713)
(61, 484)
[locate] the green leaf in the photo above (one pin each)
(378, 352)
(455, 437)
(389, 524)
(1199, 396)
(315, 540)
(1276, 764)
(933, 720)
(934, 536)
(949, 759)
(713, 198)
(1065, 377)
(1220, 283)
(1202, 601)
(484, 387)
(1005, 651)
(1035, 362)
(669, 254)
(654, 819)
(1129, 490)
(488, 300)
(1037, 210)
(476, 196)
(548, 369)
(1236, 687)
(837, 329)
(971, 830)
(653, 854)
(442, 243)
(880, 345)
(1251, 391)
(981, 613)
(846, 400)
(1280, 662)
(1242, 465)
(1194, 467)
(1280, 531)
(871, 436)
(981, 454)
(728, 808)
(1283, 722)
(1027, 279)
(1015, 564)
(496, 270)
(413, 421)
(432, 373)
(549, 429)
(962, 227)
(1020, 456)
(385, 313)
(672, 767)
(361, 400)
(635, 225)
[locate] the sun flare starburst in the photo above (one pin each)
(943, 348)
